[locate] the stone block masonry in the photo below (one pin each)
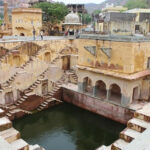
(97, 106)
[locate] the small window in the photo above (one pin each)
(148, 63)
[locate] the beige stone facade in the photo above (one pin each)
(25, 20)
(114, 70)
(22, 64)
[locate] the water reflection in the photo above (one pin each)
(66, 127)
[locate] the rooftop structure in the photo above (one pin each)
(25, 20)
(72, 19)
(124, 23)
(138, 10)
(32, 2)
(77, 8)
(112, 8)
(72, 23)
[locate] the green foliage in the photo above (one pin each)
(136, 4)
(53, 12)
(96, 12)
(86, 18)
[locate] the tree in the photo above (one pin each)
(86, 18)
(53, 13)
(136, 4)
(96, 12)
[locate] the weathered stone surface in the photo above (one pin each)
(98, 106)
(91, 49)
(5, 123)
(107, 51)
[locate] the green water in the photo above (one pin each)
(66, 127)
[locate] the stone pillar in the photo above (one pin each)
(81, 87)
(94, 91)
(125, 101)
(108, 95)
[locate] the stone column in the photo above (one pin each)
(81, 87)
(108, 95)
(94, 91)
(125, 101)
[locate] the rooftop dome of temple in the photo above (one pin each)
(72, 18)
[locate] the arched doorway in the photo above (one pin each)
(115, 93)
(9, 99)
(66, 62)
(45, 87)
(135, 95)
(87, 85)
(47, 57)
(100, 90)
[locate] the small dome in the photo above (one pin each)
(72, 18)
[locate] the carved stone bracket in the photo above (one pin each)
(107, 51)
(91, 49)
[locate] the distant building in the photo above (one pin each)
(25, 20)
(33, 2)
(127, 23)
(112, 8)
(99, 26)
(6, 28)
(138, 10)
(79, 8)
(119, 23)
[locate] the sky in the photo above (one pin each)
(79, 1)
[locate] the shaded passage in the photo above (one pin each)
(66, 127)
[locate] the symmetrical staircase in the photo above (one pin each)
(135, 127)
(73, 75)
(31, 88)
(9, 81)
(49, 98)
(27, 63)
(15, 107)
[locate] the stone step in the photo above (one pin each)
(119, 145)
(52, 93)
(128, 134)
(38, 82)
(103, 147)
(44, 105)
(22, 99)
(5, 123)
(10, 135)
(20, 144)
(19, 102)
(25, 97)
(144, 113)
(34, 86)
(2, 113)
(8, 114)
(28, 91)
(39, 109)
(138, 125)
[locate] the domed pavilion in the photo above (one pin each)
(72, 24)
